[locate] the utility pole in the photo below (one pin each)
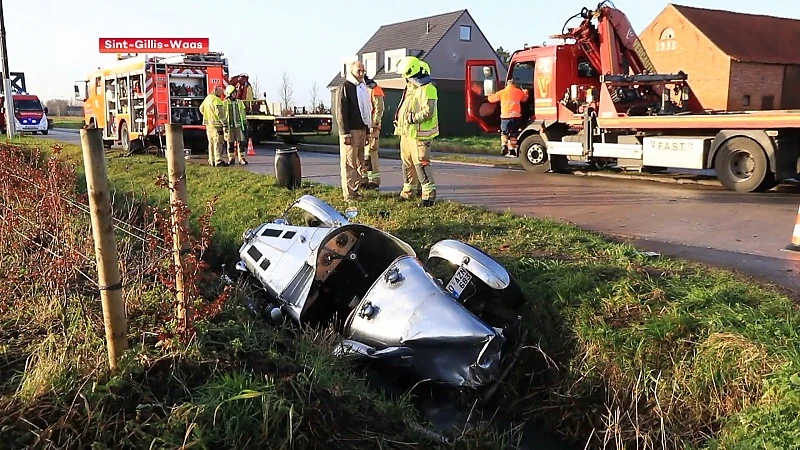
(7, 90)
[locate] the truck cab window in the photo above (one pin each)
(522, 74)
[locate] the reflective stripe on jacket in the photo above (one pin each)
(510, 98)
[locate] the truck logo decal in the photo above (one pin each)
(215, 81)
(543, 85)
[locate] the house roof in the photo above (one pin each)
(748, 37)
(410, 34)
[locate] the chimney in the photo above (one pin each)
(427, 27)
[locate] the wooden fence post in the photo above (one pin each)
(114, 317)
(176, 163)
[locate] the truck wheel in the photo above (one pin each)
(534, 157)
(742, 166)
(45, 131)
(125, 138)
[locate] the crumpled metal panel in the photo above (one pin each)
(478, 263)
(326, 213)
(407, 307)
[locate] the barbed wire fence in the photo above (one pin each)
(50, 231)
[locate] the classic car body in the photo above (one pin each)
(382, 299)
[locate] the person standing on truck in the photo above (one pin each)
(235, 126)
(417, 125)
(213, 111)
(354, 118)
(510, 98)
(371, 178)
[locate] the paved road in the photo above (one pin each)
(744, 232)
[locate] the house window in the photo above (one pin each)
(746, 100)
(666, 41)
(465, 33)
(369, 67)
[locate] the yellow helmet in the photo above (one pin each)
(425, 67)
(409, 66)
(229, 89)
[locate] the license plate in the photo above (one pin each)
(459, 282)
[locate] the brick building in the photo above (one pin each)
(735, 61)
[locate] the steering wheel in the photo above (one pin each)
(351, 256)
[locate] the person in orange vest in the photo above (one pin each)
(371, 178)
(510, 98)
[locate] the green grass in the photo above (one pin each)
(640, 350)
(474, 145)
(67, 122)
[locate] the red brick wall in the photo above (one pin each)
(756, 80)
(708, 68)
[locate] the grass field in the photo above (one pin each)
(641, 351)
(477, 145)
(67, 122)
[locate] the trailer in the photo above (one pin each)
(266, 123)
(597, 98)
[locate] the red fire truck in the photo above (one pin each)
(597, 98)
(133, 100)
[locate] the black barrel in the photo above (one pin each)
(287, 168)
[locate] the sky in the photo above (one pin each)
(55, 42)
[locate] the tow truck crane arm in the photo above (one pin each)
(611, 46)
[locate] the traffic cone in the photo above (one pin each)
(795, 245)
(250, 150)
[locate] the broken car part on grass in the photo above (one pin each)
(386, 303)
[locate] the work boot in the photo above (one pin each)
(504, 151)
(221, 164)
(243, 162)
(512, 153)
(371, 186)
(426, 203)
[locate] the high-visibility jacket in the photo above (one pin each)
(510, 98)
(418, 115)
(213, 111)
(377, 105)
(235, 114)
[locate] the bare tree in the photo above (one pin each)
(286, 92)
(314, 96)
(57, 107)
(256, 88)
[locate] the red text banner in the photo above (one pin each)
(154, 45)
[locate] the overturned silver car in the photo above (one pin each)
(386, 304)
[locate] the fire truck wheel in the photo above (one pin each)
(534, 157)
(125, 138)
(742, 166)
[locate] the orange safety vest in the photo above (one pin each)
(511, 98)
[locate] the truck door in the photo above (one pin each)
(481, 81)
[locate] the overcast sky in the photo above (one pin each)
(55, 42)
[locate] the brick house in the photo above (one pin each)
(445, 42)
(735, 61)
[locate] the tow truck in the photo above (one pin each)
(289, 127)
(598, 99)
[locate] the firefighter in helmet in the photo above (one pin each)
(417, 124)
(235, 126)
(213, 111)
